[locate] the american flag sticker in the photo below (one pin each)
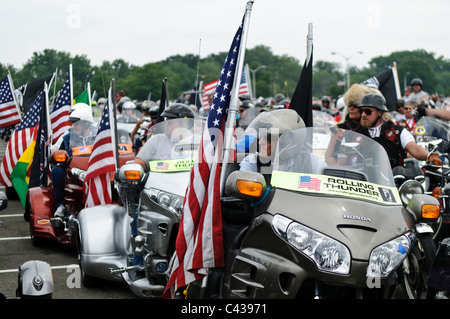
(309, 183)
(164, 166)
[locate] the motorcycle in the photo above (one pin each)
(434, 134)
(133, 242)
(40, 206)
(35, 280)
(336, 230)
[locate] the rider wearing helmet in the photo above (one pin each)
(81, 133)
(268, 127)
(396, 139)
(163, 143)
(417, 91)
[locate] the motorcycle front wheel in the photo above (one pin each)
(417, 266)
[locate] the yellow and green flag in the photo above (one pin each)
(20, 176)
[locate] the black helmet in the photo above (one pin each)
(246, 104)
(416, 81)
(400, 102)
(374, 100)
(178, 110)
(154, 110)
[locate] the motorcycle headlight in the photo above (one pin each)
(168, 200)
(79, 173)
(389, 256)
(408, 189)
(328, 254)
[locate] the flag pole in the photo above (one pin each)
(89, 94)
(71, 87)
(234, 101)
(309, 43)
(112, 105)
(397, 83)
(49, 137)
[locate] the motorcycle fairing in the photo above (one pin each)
(104, 240)
(359, 225)
(39, 211)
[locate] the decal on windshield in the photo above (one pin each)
(82, 150)
(168, 166)
(331, 185)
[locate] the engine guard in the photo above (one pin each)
(104, 234)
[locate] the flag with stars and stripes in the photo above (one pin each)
(199, 243)
(21, 139)
(210, 87)
(9, 111)
(97, 183)
(59, 116)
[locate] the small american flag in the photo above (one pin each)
(309, 182)
(211, 87)
(199, 243)
(9, 112)
(59, 116)
(97, 183)
(162, 166)
(21, 139)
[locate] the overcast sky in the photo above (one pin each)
(143, 31)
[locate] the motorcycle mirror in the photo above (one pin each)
(245, 185)
(131, 173)
(435, 144)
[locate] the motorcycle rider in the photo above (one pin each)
(162, 144)
(417, 92)
(269, 126)
(395, 139)
(352, 99)
(82, 134)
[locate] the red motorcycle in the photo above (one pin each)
(40, 206)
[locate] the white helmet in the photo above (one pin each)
(128, 105)
(81, 114)
(80, 105)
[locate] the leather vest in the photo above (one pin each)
(390, 140)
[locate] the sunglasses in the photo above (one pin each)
(367, 111)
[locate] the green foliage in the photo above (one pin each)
(276, 74)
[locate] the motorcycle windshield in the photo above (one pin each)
(342, 163)
(82, 137)
(429, 128)
(171, 145)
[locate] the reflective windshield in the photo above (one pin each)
(82, 137)
(343, 163)
(172, 144)
(430, 128)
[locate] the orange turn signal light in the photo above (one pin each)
(249, 188)
(133, 175)
(430, 211)
(437, 192)
(60, 158)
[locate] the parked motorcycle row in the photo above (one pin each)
(351, 228)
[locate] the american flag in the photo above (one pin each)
(9, 112)
(21, 139)
(59, 116)
(97, 183)
(309, 182)
(199, 243)
(211, 87)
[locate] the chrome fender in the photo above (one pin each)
(423, 228)
(104, 234)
